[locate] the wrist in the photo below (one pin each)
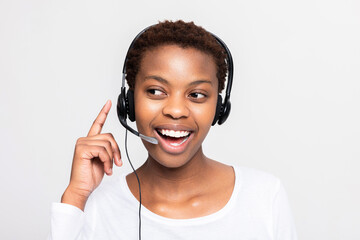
(74, 198)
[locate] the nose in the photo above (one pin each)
(176, 108)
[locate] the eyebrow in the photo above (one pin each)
(163, 80)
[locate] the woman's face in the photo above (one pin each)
(176, 93)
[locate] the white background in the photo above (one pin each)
(295, 99)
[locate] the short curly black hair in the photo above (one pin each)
(179, 33)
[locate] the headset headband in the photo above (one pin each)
(229, 60)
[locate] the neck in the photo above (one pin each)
(175, 180)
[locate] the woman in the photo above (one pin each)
(176, 71)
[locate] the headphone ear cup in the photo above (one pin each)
(130, 105)
(218, 110)
(224, 112)
(121, 105)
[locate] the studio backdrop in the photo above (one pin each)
(295, 99)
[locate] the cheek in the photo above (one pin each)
(147, 107)
(204, 115)
(145, 111)
(206, 111)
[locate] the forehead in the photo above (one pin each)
(178, 63)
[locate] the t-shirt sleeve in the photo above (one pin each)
(67, 222)
(284, 227)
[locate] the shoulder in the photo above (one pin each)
(255, 176)
(254, 194)
(110, 186)
(261, 199)
(256, 182)
(109, 192)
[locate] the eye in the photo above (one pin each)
(155, 92)
(197, 96)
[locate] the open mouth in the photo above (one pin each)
(172, 137)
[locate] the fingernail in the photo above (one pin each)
(110, 171)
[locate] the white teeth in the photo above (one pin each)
(172, 133)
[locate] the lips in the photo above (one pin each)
(174, 139)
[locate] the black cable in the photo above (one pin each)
(137, 177)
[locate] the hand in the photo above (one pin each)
(94, 155)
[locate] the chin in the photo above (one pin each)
(172, 165)
(169, 160)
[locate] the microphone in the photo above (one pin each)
(122, 110)
(133, 131)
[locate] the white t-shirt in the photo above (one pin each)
(257, 210)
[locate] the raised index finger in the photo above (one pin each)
(100, 120)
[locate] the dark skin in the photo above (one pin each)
(185, 184)
(177, 89)
(179, 197)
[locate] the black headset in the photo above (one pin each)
(126, 106)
